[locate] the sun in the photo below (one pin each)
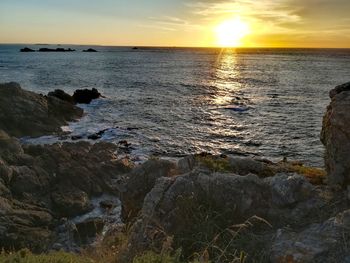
(231, 32)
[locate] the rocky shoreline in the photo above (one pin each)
(210, 208)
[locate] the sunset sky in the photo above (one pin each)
(261, 23)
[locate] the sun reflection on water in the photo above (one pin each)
(225, 76)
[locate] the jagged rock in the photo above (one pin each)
(140, 182)
(41, 184)
(323, 242)
(335, 136)
(24, 113)
(85, 96)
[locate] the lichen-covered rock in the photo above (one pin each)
(25, 113)
(335, 136)
(322, 242)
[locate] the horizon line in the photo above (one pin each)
(165, 46)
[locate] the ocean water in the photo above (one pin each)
(171, 102)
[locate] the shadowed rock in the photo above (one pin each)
(335, 136)
(60, 94)
(25, 113)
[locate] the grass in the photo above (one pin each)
(207, 234)
(25, 256)
(214, 163)
(314, 175)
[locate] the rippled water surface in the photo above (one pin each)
(170, 102)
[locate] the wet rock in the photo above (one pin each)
(26, 49)
(85, 96)
(24, 113)
(322, 242)
(60, 94)
(335, 136)
(140, 182)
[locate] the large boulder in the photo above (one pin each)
(25, 113)
(321, 242)
(335, 136)
(140, 182)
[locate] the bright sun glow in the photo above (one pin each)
(231, 32)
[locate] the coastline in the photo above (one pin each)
(47, 186)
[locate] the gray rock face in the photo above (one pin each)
(323, 242)
(287, 190)
(24, 113)
(335, 136)
(39, 185)
(140, 182)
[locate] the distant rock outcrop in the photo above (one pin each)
(55, 50)
(26, 49)
(25, 113)
(90, 50)
(335, 136)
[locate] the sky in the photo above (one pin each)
(267, 23)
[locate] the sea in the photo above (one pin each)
(171, 102)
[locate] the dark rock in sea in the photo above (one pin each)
(335, 136)
(76, 137)
(94, 137)
(25, 113)
(90, 50)
(60, 94)
(26, 49)
(135, 48)
(85, 96)
(56, 50)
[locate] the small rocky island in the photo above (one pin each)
(90, 50)
(26, 49)
(202, 207)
